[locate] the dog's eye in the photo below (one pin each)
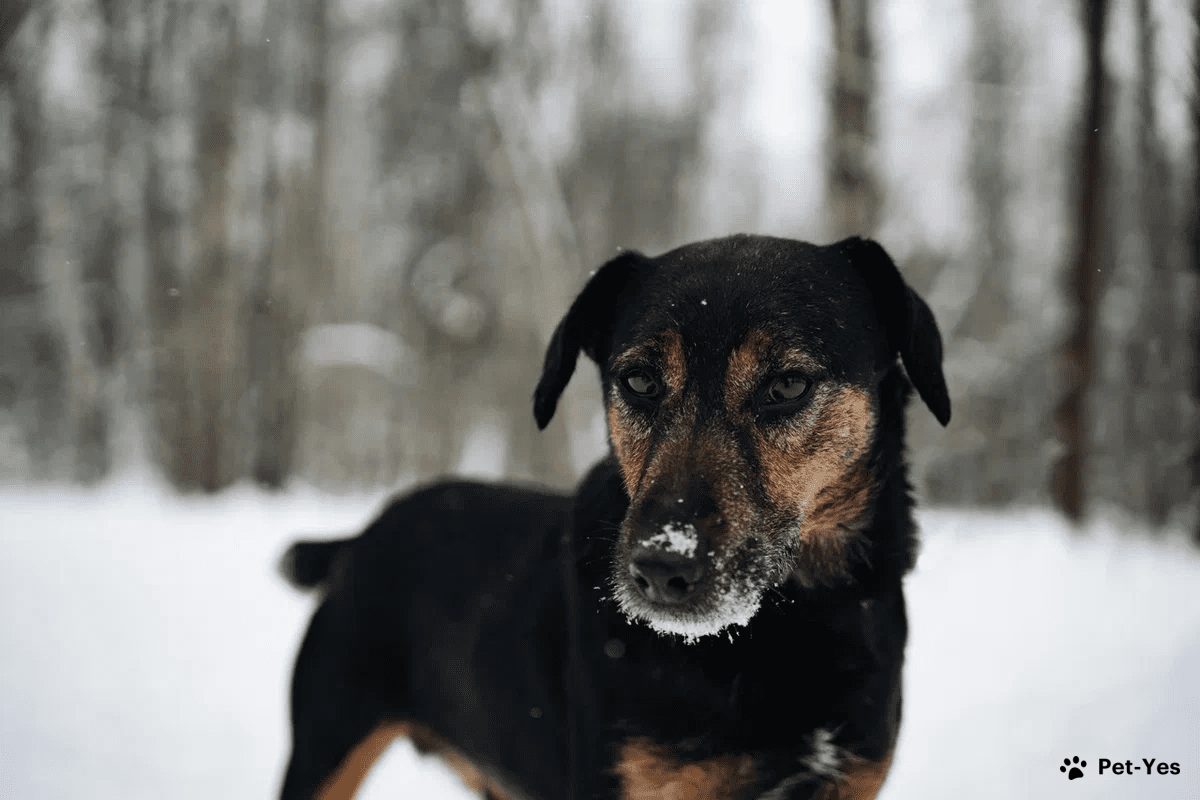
(787, 389)
(641, 383)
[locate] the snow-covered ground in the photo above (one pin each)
(146, 643)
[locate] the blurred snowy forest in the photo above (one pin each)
(327, 240)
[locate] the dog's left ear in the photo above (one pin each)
(587, 326)
(910, 326)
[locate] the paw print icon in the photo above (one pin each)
(1073, 764)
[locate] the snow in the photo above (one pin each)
(676, 538)
(360, 344)
(485, 452)
(147, 645)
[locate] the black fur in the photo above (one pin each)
(484, 613)
(306, 565)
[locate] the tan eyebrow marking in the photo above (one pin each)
(796, 359)
(744, 369)
(666, 350)
(748, 366)
(636, 354)
(674, 365)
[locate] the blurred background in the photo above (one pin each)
(326, 240)
(264, 262)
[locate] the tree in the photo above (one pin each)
(1079, 352)
(11, 15)
(1194, 328)
(851, 185)
(1152, 428)
(291, 271)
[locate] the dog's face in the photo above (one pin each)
(740, 380)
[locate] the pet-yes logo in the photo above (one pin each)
(1073, 767)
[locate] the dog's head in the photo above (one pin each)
(741, 380)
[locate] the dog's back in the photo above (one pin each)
(447, 613)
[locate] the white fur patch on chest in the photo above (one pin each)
(826, 757)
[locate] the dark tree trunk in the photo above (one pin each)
(1079, 352)
(216, 344)
(296, 256)
(11, 14)
(1152, 427)
(196, 299)
(851, 185)
(1194, 328)
(32, 382)
(70, 260)
(988, 174)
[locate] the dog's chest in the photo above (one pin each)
(778, 672)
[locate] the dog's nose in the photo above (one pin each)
(663, 576)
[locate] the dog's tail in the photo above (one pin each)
(307, 565)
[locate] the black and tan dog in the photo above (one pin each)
(716, 613)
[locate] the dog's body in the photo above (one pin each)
(716, 613)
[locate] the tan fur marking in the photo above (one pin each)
(350, 774)
(674, 365)
(667, 350)
(630, 444)
(742, 373)
(649, 772)
(630, 436)
(818, 472)
(801, 465)
(861, 780)
(794, 358)
(644, 352)
(845, 503)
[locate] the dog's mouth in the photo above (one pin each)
(677, 583)
(695, 619)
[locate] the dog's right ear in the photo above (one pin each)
(587, 326)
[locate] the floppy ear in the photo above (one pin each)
(587, 326)
(910, 326)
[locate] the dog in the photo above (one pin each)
(717, 612)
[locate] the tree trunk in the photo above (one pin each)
(1079, 359)
(12, 12)
(293, 268)
(197, 294)
(1194, 328)
(71, 253)
(1152, 425)
(30, 362)
(851, 184)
